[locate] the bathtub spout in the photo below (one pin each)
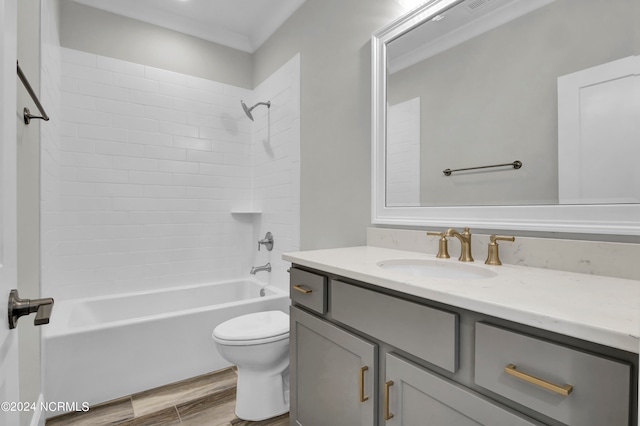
(255, 269)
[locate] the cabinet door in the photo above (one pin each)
(415, 396)
(333, 374)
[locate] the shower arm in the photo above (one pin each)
(268, 104)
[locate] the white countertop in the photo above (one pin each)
(594, 308)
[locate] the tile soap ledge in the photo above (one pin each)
(597, 309)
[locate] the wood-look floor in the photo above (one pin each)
(207, 400)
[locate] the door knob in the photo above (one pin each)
(20, 307)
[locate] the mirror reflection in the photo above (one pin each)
(550, 84)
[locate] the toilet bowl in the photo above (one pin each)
(258, 344)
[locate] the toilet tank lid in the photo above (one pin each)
(254, 326)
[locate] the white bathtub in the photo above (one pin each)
(98, 349)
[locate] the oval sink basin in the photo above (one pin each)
(436, 269)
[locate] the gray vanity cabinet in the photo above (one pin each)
(415, 396)
(333, 374)
(440, 365)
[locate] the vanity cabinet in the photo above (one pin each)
(378, 357)
(416, 396)
(333, 373)
(571, 386)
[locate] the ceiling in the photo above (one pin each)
(239, 24)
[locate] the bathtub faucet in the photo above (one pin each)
(266, 267)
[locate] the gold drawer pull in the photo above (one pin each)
(302, 289)
(562, 390)
(387, 414)
(363, 397)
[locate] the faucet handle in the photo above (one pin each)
(267, 241)
(443, 252)
(492, 256)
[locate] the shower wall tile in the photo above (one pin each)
(144, 169)
(51, 174)
(276, 168)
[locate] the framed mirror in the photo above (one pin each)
(509, 114)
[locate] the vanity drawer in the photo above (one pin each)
(428, 333)
(308, 289)
(600, 393)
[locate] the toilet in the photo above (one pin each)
(258, 344)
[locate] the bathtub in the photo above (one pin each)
(101, 348)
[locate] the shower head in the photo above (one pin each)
(248, 110)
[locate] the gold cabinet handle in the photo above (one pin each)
(302, 289)
(363, 397)
(387, 415)
(559, 389)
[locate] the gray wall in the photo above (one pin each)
(92, 30)
(333, 38)
(494, 100)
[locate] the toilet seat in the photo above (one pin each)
(253, 329)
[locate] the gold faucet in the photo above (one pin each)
(492, 255)
(443, 253)
(465, 243)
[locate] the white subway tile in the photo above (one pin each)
(224, 170)
(101, 133)
(86, 116)
(137, 83)
(77, 144)
(151, 99)
(191, 143)
(178, 129)
(205, 157)
(86, 203)
(77, 189)
(118, 190)
(135, 123)
(122, 149)
(163, 153)
(135, 163)
(147, 138)
(68, 174)
(100, 90)
(193, 106)
(177, 166)
(74, 100)
(102, 175)
(151, 178)
(69, 85)
(118, 107)
(165, 114)
(81, 159)
(170, 189)
(195, 180)
(222, 134)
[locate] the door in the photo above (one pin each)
(415, 396)
(598, 127)
(333, 374)
(8, 251)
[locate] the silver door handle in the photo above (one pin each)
(20, 307)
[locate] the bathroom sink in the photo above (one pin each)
(427, 268)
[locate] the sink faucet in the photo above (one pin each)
(255, 269)
(465, 243)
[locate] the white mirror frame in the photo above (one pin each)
(614, 219)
